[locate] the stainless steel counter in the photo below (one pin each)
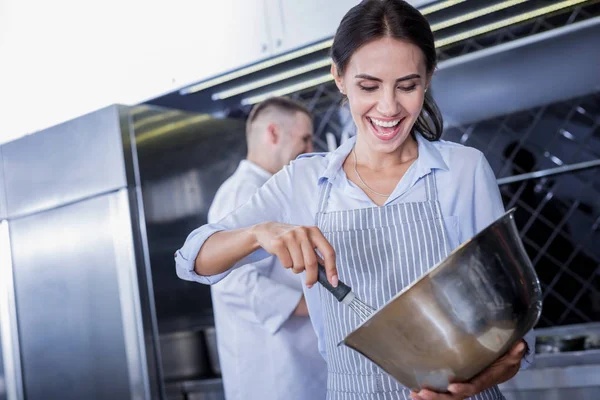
(570, 375)
(203, 389)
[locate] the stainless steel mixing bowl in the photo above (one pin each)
(458, 318)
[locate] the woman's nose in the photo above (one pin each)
(388, 104)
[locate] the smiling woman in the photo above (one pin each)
(381, 210)
(417, 56)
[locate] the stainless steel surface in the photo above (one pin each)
(143, 277)
(548, 172)
(82, 252)
(578, 376)
(74, 342)
(459, 317)
(10, 361)
(129, 294)
(184, 355)
(174, 392)
(65, 163)
(570, 375)
(588, 393)
(210, 335)
(361, 308)
(183, 158)
(206, 389)
(520, 75)
(3, 212)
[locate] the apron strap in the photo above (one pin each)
(430, 186)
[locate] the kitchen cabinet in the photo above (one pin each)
(294, 24)
(220, 37)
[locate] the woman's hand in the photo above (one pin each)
(502, 370)
(295, 247)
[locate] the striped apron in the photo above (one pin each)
(379, 251)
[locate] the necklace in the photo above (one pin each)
(363, 182)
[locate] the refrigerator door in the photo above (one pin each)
(76, 288)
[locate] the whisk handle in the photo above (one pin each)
(340, 292)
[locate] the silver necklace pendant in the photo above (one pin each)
(363, 182)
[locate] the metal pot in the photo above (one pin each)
(183, 355)
(458, 318)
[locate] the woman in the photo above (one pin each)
(381, 210)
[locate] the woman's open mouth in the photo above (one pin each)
(385, 130)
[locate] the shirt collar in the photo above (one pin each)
(429, 158)
(249, 165)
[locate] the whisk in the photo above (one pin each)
(344, 294)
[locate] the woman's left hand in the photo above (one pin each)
(502, 370)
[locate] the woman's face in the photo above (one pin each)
(385, 81)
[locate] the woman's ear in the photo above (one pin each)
(339, 81)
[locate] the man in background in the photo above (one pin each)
(267, 346)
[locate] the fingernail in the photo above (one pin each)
(521, 347)
(426, 395)
(309, 285)
(334, 280)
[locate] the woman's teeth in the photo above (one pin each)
(385, 124)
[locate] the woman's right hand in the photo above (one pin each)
(296, 246)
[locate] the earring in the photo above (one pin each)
(426, 90)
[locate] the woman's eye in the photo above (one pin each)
(407, 88)
(368, 88)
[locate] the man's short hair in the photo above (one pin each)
(282, 104)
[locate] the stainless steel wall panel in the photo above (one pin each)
(65, 163)
(11, 387)
(553, 66)
(3, 212)
(76, 289)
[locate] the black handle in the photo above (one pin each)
(340, 292)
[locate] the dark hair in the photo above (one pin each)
(374, 19)
(282, 104)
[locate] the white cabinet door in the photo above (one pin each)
(295, 23)
(219, 37)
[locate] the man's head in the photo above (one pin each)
(277, 131)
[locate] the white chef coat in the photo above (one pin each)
(265, 352)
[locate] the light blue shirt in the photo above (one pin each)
(467, 191)
(265, 351)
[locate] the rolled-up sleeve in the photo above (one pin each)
(185, 257)
(270, 203)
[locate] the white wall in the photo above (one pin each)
(63, 58)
